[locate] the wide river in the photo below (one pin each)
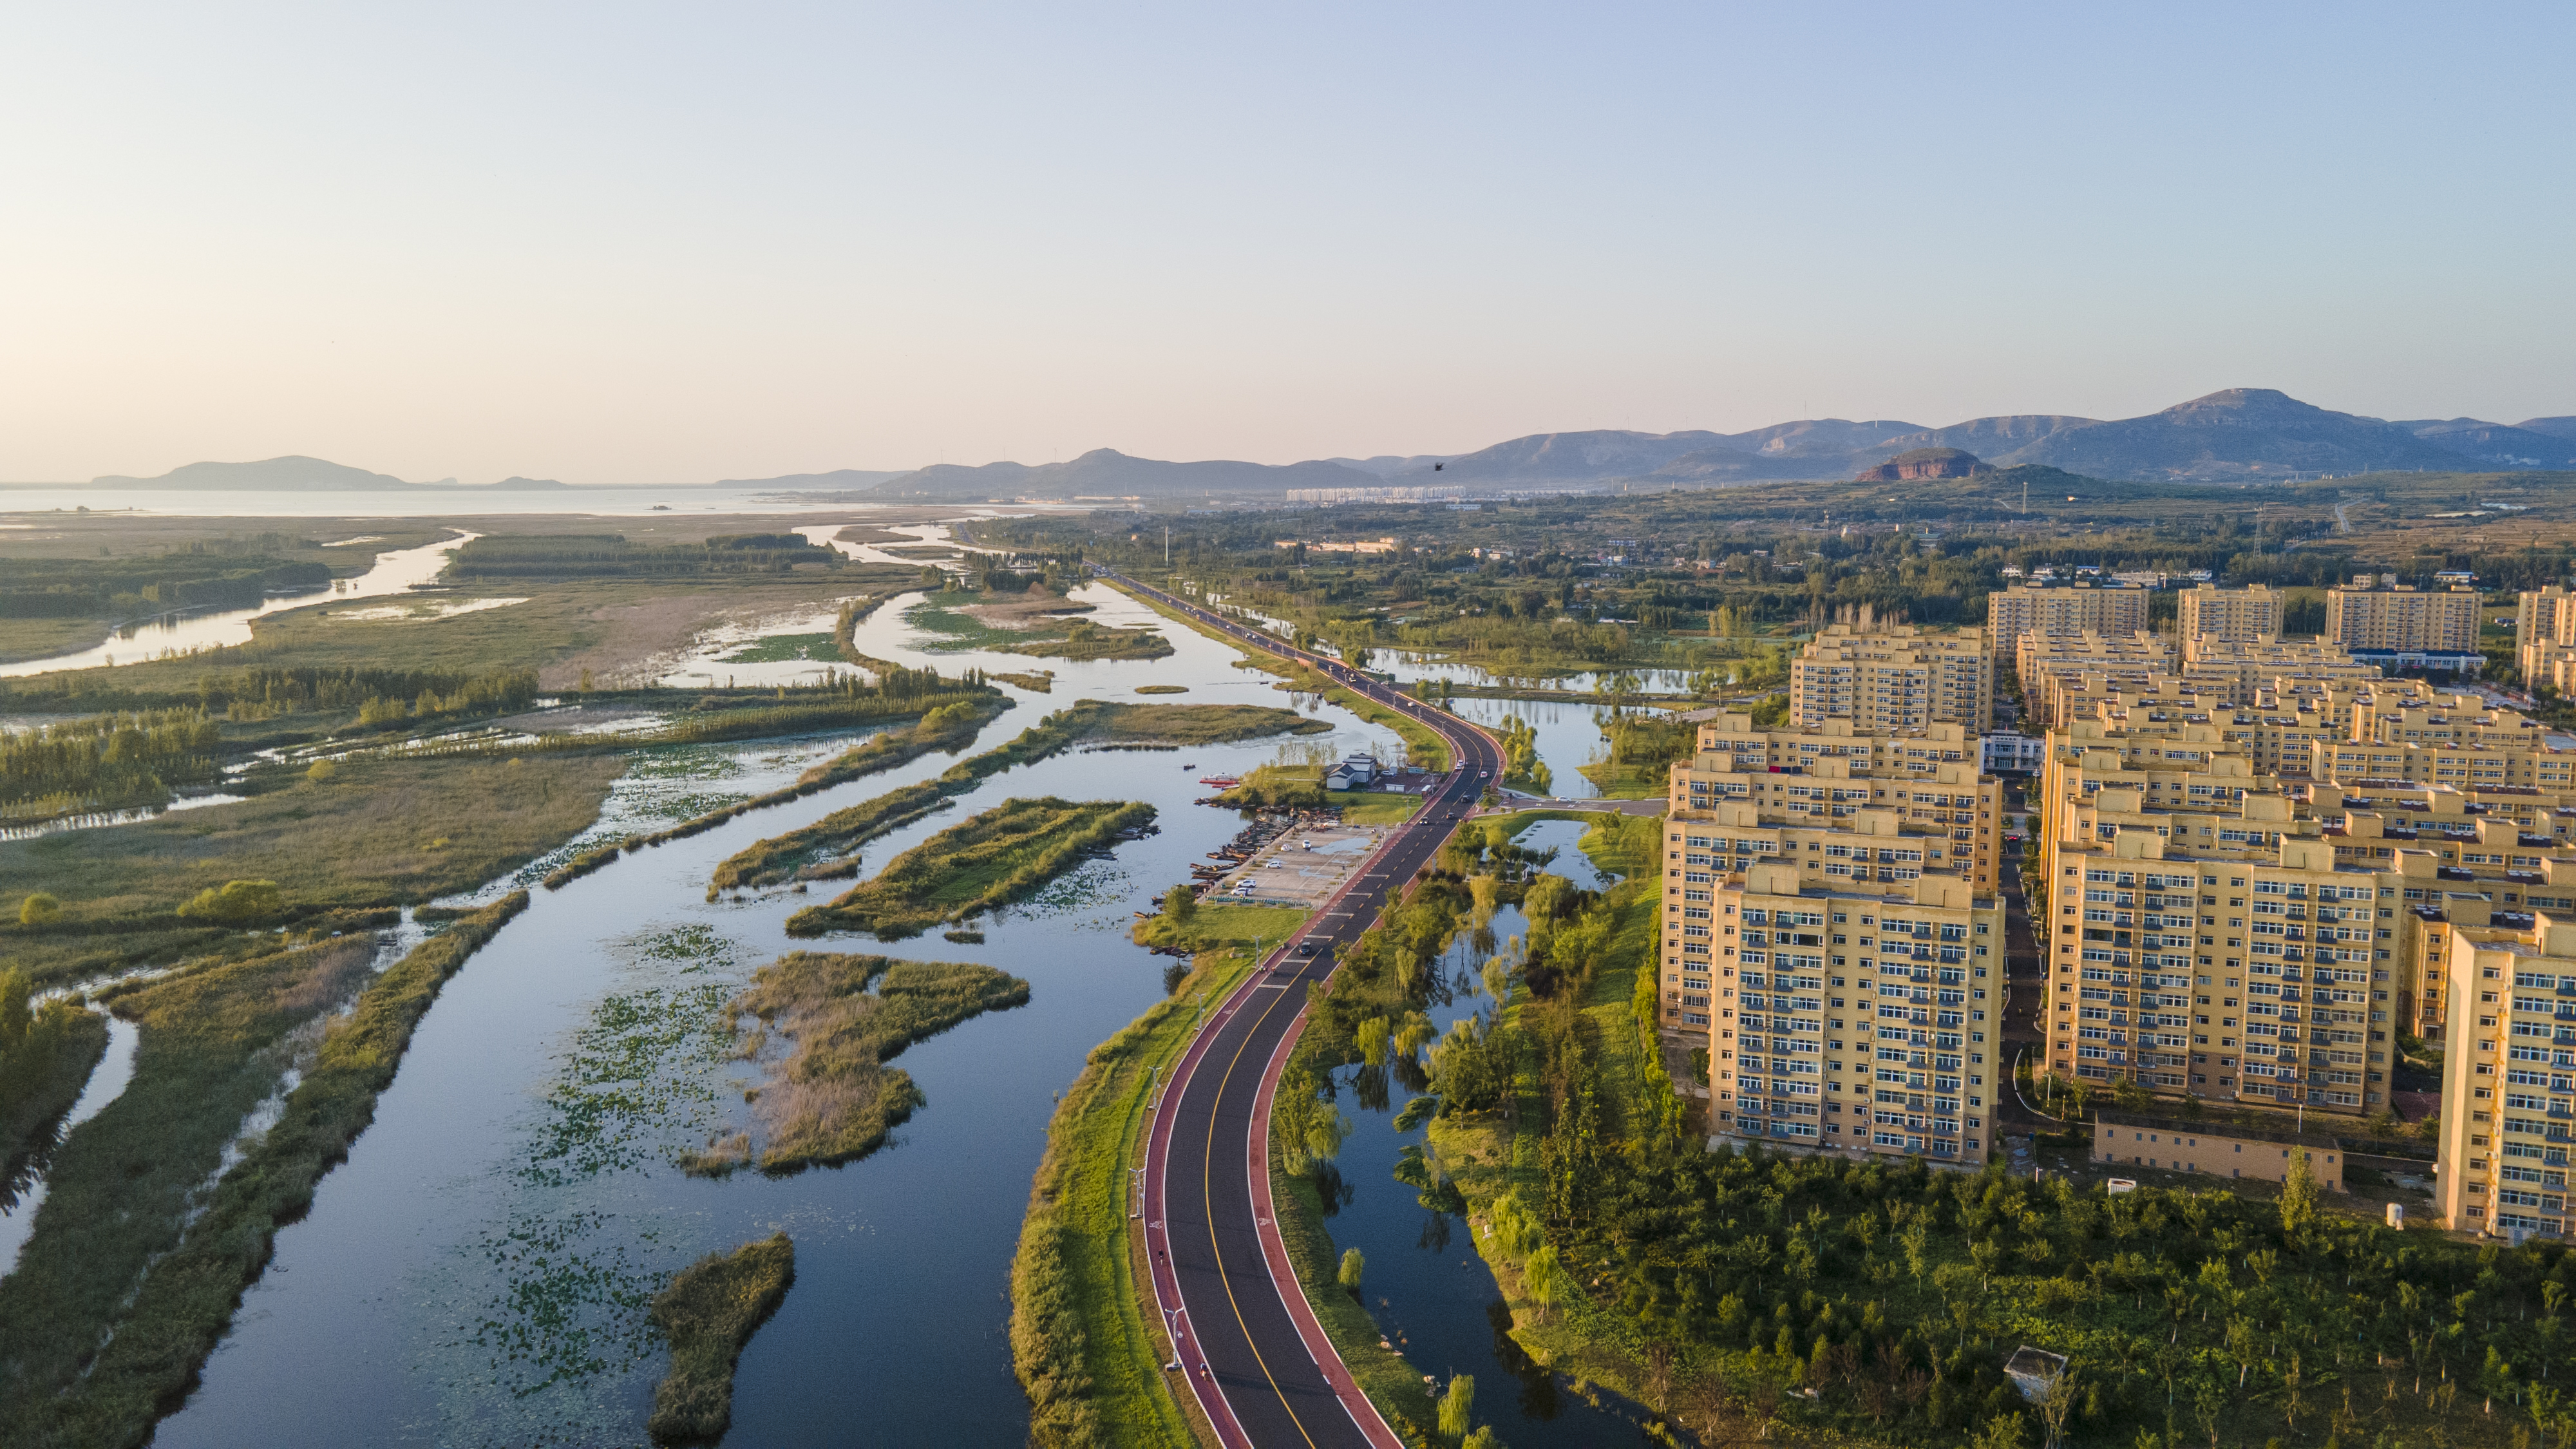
(476, 1272)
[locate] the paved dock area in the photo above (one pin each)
(1300, 868)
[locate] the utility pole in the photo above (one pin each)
(1167, 545)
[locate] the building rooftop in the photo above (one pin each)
(2213, 1127)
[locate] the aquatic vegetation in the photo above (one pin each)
(712, 1309)
(783, 649)
(975, 866)
(829, 1098)
(136, 1264)
(46, 1056)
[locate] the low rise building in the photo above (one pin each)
(2221, 1149)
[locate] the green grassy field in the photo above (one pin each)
(1084, 1340)
(1373, 807)
(1213, 926)
(784, 648)
(711, 1310)
(377, 833)
(830, 1099)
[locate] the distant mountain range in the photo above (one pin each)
(1109, 475)
(839, 480)
(272, 475)
(2246, 432)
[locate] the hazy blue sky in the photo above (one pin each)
(641, 242)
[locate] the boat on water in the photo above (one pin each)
(1223, 780)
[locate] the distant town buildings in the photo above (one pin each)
(1378, 545)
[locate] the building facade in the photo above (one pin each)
(2068, 609)
(1849, 1011)
(2404, 619)
(2236, 615)
(2128, 1139)
(2509, 1075)
(1892, 678)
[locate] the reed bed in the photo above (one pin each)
(709, 1312)
(975, 866)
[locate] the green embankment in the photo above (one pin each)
(831, 1098)
(975, 866)
(712, 1309)
(119, 1296)
(1494, 1155)
(1084, 1340)
(1424, 743)
(1213, 925)
(1301, 787)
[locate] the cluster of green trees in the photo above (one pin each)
(107, 760)
(1894, 1292)
(1521, 764)
(262, 693)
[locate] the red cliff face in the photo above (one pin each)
(1925, 463)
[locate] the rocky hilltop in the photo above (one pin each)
(1925, 463)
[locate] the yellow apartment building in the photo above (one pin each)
(2509, 1075)
(1850, 1011)
(2404, 618)
(2233, 614)
(2062, 609)
(1892, 678)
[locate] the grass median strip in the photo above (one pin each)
(711, 1310)
(120, 1293)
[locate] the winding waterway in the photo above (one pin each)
(476, 1272)
(394, 572)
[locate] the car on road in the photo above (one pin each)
(1484, 774)
(1305, 948)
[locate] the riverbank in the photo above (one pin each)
(1084, 1342)
(45, 1061)
(129, 1277)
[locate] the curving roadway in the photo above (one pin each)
(1258, 1362)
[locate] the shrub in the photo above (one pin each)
(38, 908)
(235, 903)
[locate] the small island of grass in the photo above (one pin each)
(975, 866)
(831, 1098)
(711, 1310)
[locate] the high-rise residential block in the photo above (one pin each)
(2235, 615)
(2404, 619)
(2031, 608)
(1892, 678)
(2509, 1074)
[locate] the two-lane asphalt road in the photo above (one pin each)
(1256, 1359)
